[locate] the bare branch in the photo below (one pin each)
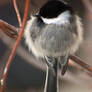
(8, 29)
(81, 63)
(3, 80)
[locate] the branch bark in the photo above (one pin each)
(3, 80)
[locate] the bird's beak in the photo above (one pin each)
(36, 15)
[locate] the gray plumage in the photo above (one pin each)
(54, 38)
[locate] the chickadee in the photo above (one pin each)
(53, 34)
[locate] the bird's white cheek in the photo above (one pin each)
(60, 20)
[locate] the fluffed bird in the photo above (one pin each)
(54, 33)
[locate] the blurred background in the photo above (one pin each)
(27, 74)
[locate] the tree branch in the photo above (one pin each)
(8, 29)
(3, 80)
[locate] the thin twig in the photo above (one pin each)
(3, 80)
(17, 12)
(81, 63)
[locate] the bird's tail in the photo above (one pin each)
(51, 83)
(53, 67)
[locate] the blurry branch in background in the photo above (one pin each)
(3, 80)
(8, 29)
(81, 63)
(17, 12)
(88, 7)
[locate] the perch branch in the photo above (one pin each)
(3, 80)
(81, 63)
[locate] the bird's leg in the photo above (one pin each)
(64, 63)
(51, 83)
(50, 61)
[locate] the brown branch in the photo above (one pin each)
(8, 29)
(3, 80)
(81, 63)
(17, 12)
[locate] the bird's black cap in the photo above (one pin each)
(53, 8)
